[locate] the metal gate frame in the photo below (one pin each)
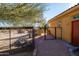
(55, 36)
(45, 29)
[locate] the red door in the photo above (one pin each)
(75, 32)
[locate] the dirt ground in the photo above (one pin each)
(5, 39)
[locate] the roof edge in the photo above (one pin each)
(63, 12)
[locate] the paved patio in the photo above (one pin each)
(51, 47)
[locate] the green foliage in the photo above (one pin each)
(20, 14)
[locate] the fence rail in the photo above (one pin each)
(6, 44)
(56, 32)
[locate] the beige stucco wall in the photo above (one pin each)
(66, 24)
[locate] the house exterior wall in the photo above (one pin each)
(66, 24)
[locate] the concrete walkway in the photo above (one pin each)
(51, 47)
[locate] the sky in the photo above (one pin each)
(55, 9)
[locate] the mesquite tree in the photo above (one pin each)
(22, 14)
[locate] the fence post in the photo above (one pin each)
(29, 33)
(44, 32)
(10, 41)
(33, 36)
(55, 32)
(61, 33)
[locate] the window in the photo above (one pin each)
(59, 24)
(76, 17)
